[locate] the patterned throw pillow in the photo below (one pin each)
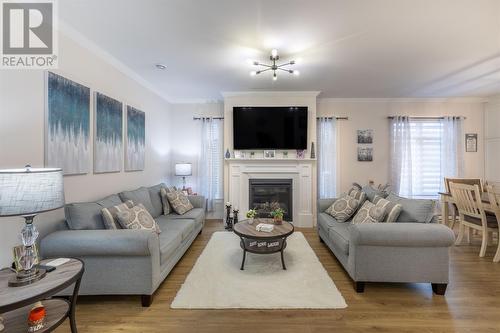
(164, 200)
(357, 194)
(109, 214)
(369, 213)
(393, 209)
(137, 218)
(343, 208)
(179, 202)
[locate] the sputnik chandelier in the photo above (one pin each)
(274, 67)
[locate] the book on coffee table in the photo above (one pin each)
(264, 227)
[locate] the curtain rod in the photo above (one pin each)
(338, 118)
(201, 118)
(440, 117)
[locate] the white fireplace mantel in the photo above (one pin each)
(301, 171)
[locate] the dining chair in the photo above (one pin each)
(472, 214)
(468, 181)
(494, 197)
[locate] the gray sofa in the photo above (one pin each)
(124, 262)
(413, 249)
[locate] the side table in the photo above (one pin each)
(16, 302)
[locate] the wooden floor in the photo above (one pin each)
(472, 303)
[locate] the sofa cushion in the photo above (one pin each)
(325, 221)
(179, 202)
(414, 210)
(139, 196)
(392, 209)
(84, 216)
(169, 242)
(109, 214)
(164, 200)
(369, 213)
(155, 196)
(196, 214)
(109, 201)
(343, 208)
(339, 236)
(184, 227)
(137, 217)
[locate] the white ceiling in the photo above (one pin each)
(349, 49)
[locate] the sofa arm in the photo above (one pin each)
(323, 204)
(80, 243)
(402, 235)
(198, 201)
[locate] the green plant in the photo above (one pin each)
(278, 213)
(251, 214)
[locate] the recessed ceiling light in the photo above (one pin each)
(161, 66)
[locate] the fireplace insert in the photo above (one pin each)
(267, 195)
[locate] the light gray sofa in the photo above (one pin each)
(124, 262)
(413, 249)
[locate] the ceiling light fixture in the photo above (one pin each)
(274, 67)
(161, 66)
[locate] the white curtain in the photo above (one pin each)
(400, 153)
(327, 153)
(452, 148)
(210, 170)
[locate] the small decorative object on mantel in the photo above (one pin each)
(269, 153)
(285, 154)
(277, 215)
(252, 154)
(313, 154)
(239, 154)
(471, 143)
(235, 216)
(251, 214)
(229, 219)
(365, 154)
(36, 317)
(228, 154)
(365, 136)
(301, 154)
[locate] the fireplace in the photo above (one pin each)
(265, 195)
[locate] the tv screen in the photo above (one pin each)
(270, 127)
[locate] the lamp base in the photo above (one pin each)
(23, 278)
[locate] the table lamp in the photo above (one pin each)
(183, 170)
(28, 192)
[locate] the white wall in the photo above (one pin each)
(492, 141)
(373, 113)
(22, 130)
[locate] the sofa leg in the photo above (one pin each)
(146, 300)
(359, 286)
(200, 231)
(321, 240)
(439, 288)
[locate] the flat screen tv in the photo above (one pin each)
(270, 127)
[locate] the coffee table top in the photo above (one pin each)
(246, 228)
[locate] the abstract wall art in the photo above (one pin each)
(135, 151)
(108, 133)
(67, 130)
(365, 154)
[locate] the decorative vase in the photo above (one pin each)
(313, 154)
(278, 220)
(250, 220)
(228, 154)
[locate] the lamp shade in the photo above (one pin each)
(183, 169)
(30, 191)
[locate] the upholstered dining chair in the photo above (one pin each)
(494, 197)
(472, 214)
(468, 181)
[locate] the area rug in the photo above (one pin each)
(216, 281)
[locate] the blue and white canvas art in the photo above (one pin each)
(108, 133)
(67, 131)
(135, 152)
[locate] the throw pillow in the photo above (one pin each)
(179, 202)
(392, 209)
(371, 191)
(343, 208)
(369, 213)
(137, 218)
(357, 194)
(164, 200)
(109, 214)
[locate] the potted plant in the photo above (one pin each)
(251, 214)
(277, 214)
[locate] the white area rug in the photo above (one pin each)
(216, 281)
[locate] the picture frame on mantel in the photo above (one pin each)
(269, 153)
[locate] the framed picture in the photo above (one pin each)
(67, 125)
(365, 136)
(108, 133)
(239, 154)
(365, 154)
(269, 153)
(471, 142)
(301, 154)
(135, 151)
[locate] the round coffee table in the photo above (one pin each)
(261, 242)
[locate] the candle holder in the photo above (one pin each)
(229, 219)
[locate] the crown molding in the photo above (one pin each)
(407, 100)
(83, 41)
(231, 94)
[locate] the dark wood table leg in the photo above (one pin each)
(72, 309)
(243, 261)
(282, 260)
